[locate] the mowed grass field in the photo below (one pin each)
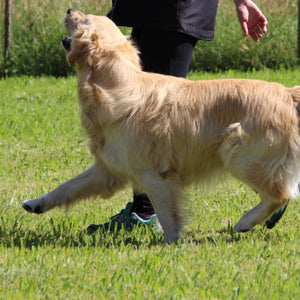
(50, 256)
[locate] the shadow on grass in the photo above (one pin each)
(214, 237)
(228, 235)
(81, 239)
(66, 236)
(18, 237)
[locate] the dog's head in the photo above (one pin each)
(90, 35)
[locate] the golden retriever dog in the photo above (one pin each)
(161, 134)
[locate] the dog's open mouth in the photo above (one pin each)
(66, 42)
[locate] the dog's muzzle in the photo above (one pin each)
(66, 42)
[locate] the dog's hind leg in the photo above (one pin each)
(169, 202)
(275, 218)
(96, 180)
(259, 214)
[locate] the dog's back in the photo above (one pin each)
(212, 121)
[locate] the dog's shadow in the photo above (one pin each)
(66, 234)
(55, 237)
(227, 235)
(215, 237)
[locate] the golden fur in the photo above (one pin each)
(161, 133)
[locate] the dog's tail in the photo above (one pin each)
(295, 153)
(295, 93)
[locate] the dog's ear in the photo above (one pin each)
(84, 46)
(95, 43)
(94, 37)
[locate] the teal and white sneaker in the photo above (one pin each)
(125, 219)
(147, 220)
(142, 219)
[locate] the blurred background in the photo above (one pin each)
(37, 29)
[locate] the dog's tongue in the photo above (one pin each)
(67, 43)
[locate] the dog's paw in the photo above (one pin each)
(241, 227)
(32, 207)
(172, 238)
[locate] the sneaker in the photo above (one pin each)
(125, 219)
(147, 220)
(275, 217)
(142, 219)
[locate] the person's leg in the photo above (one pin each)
(166, 53)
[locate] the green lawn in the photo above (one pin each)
(50, 256)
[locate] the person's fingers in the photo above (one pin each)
(253, 35)
(257, 30)
(263, 25)
(245, 28)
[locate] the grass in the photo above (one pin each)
(230, 50)
(51, 257)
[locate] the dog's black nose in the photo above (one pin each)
(69, 11)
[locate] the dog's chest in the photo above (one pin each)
(113, 155)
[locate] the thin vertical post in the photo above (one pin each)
(298, 28)
(7, 33)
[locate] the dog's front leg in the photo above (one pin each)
(96, 180)
(169, 202)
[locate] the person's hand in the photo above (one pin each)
(252, 20)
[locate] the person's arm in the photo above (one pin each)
(252, 20)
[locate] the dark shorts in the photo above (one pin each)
(164, 52)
